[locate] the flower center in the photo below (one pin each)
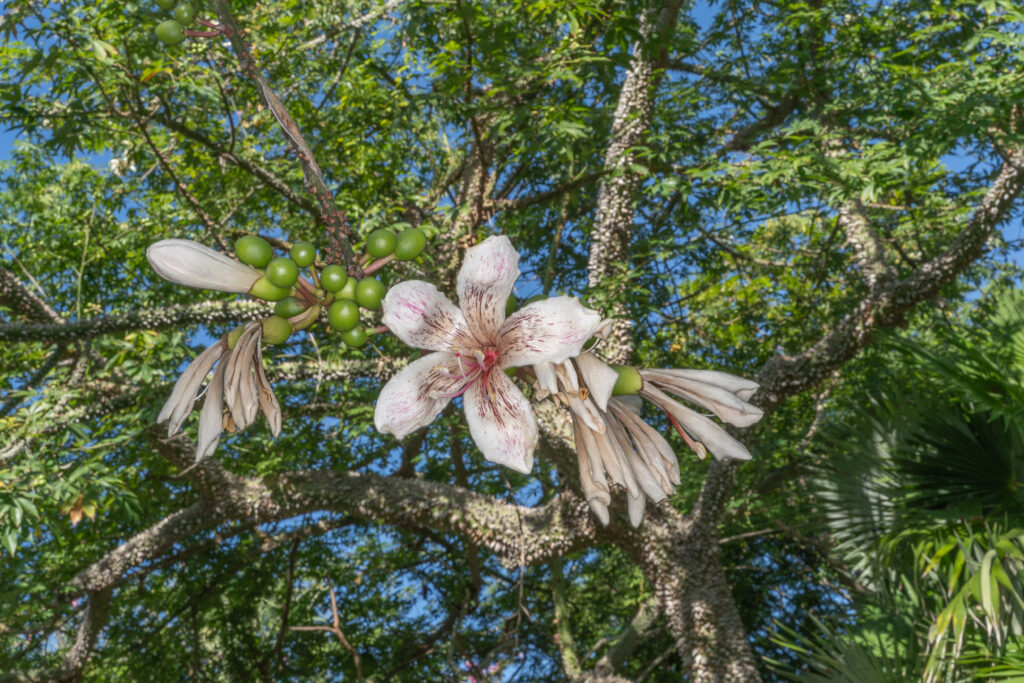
(472, 367)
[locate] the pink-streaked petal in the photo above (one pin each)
(189, 263)
(416, 395)
(485, 282)
(501, 422)
(552, 330)
(421, 316)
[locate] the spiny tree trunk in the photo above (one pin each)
(679, 559)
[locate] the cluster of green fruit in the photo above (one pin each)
(300, 302)
(405, 246)
(172, 31)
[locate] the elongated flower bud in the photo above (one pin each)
(189, 263)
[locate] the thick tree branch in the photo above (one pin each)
(785, 376)
(16, 296)
(203, 313)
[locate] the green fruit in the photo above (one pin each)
(343, 315)
(629, 381)
(355, 337)
(166, 5)
(410, 244)
(234, 335)
(333, 278)
(289, 307)
(253, 250)
(303, 253)
(282, 271)
(276, 330)
(268, 291)
(170, 32)
(349, 290)
(369, 293)
(380, 243)
(185, 13)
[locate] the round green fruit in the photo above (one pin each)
(410, 244)
(276, 330)
(369, 293)
(349, 290)
(268, 291)
(333, 278)
(166, 5)
(185, 13)
(355, 337)
(234, 335)
(170, 32)
(289, 307)
(343, 315)
(253, 250)
(303, 253)
(629, 381)
(282, 271)
(381, 243)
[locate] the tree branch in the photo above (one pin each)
(203, 313)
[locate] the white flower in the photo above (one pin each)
(614, 445)
(239, 382)
(473, 346)
(189, 263)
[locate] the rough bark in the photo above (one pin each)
(203, 313)
(683, 567)
(613, 221)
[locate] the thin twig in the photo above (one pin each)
(333, 219)
(335, 628)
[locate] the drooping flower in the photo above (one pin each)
(614, 445)
(238, 382)
(473, 344)
(189, 263)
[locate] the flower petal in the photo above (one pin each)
(179, 404)
(551, 330)
(211, 419)
(705, 431)
(743, 388)
(421, 316)
(636, 509)
(239, 383)
(195, 265)
(416, 395)
(485, 282)
(650, 444)
(501, 422)
(599, 378)
(547, 381)
(268, 402)
(592, 476)
(723, 403)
